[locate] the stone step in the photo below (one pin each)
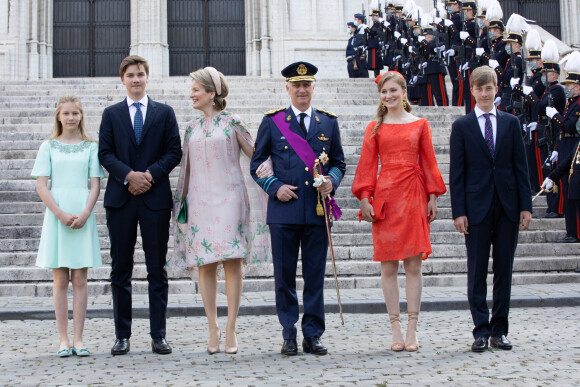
(186, 286)
(27, 240)
(350, 268)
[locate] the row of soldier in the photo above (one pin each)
(455, 38)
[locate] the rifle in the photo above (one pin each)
(522, 110)
(548, 138)
(460, 50)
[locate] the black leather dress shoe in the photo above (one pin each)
(568, 239)
(314, 346)
(290, 347)
(121, 347)
(160, 346)
(550, 215)
(479, 345)
(500, 342)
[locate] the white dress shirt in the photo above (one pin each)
(133, 109)
(481, 119)
(306, 119)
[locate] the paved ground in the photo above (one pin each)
(547, 352)
(546, 339)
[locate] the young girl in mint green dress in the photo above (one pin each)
(69, 243)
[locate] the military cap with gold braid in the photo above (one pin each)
(300, 71)
(469, 5)
(572, 68)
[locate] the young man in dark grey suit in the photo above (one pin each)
(139, 145)
(490, 197)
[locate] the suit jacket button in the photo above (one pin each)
(306, 169)
(286, 147)
(306, 183)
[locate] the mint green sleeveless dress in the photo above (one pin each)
(69, 166)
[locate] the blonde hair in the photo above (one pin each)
(382, 109)
(203, 76)
(57, 129)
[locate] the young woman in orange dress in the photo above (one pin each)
(402, 201)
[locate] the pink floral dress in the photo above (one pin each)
(223, 223)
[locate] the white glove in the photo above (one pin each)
(403, 41)
(514, 81)
(437, 20)
(397, 34)
(532, 126)
(420, 38)
(551, 111)
(465, 66)
(450, 52)
(441, 48)
(493, 63)
(554, 156)
(527, 89)
(479, 51)
(424, 64)
(407, 65)
(398, 57)
(410, 49)
(547, 184)
(448, 23)
(318, 181)
(497, 101)
(463, 35)
(415, 79)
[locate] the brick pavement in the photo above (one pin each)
(546, 352)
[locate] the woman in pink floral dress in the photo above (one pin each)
(225, 225)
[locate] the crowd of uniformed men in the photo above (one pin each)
(456, 37)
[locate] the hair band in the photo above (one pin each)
(215, 77)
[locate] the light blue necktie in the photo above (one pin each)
(138, 122)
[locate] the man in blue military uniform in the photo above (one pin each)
(353, 63)
(374, 49)
(569, 136)
(289, 135)
(359, 42)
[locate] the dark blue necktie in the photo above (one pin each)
(302, 125)
(138, 122)
(488, 135)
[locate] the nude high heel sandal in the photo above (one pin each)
(412, 347)
(396, 346)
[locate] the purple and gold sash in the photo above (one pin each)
(305, 152)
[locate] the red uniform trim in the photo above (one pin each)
(443, 91)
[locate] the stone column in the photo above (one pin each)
(265, 38)
(569, 10)
(32, 42)
(149, 34)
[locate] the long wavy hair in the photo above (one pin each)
(382, 109)
(57, 129)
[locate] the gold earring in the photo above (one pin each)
(405, 103)
(383, 107)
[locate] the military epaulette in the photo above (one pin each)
(330, 114)
(274, 111)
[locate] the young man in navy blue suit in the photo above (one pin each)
(139, 145)
(490, 197)
(292, 217)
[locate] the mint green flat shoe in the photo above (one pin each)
(63, 353)
(80, 352)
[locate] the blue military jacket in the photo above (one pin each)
(323, 135)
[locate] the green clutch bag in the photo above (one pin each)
(182, 216)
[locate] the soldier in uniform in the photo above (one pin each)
(469, 36)
(434, 69)
(512, 72)
(353, 63)
(569, 135)
(359, 43)
(374, 49)
(533, 84)
(454, 28)
(553, 96)
(498, 56)
(294, 137)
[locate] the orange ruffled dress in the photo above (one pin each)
(399, 196)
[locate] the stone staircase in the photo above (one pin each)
(26, 116)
